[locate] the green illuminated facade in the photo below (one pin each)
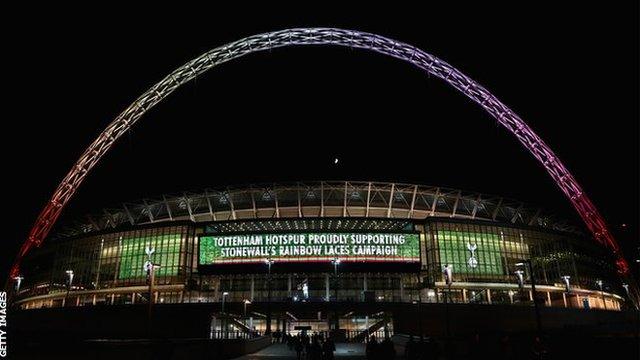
(460, 248)
(166, 252)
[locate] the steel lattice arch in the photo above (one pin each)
(330, 37)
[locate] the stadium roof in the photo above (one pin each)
(318, 199)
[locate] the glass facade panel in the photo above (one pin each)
(108, 267)
(167, 253)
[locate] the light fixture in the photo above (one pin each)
(567, 285)
(18, 279)
(69, 277)
(520, 278)
(448, 274)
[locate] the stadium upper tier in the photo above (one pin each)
(318, 199)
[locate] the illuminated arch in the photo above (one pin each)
(320, 36)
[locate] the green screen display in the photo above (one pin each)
(458, 248)
(133, 256)
(302, 247)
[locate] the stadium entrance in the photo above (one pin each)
(340, 325)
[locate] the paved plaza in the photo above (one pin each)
(281, 351)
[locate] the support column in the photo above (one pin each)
(401, 290)
(365, 282)
(364, 287)
(133, 298)
(549, 298)
(212, 327)
(464, 296)
(326, 286)
(489, 296)
(564, 299)
(289, 283)
(252, 293)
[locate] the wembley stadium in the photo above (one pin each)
(345, 258)
(320, 242)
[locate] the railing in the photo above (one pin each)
(355, 336)
(234, 334)
(350, 335)
(373, 330)
(363, 335)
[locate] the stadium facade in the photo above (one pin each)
(321, 243)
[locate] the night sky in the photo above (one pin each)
(570, 72)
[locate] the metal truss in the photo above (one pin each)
(319, 199)
(321, 36)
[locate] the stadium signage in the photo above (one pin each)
(302, 247)
(3, 324)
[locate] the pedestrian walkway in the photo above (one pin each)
(344, 351)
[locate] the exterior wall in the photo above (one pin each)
(109, 261)
(385, 287)
(108, 269)
(499, 248)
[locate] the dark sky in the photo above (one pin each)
(570, 72)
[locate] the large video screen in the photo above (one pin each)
(309, 247)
